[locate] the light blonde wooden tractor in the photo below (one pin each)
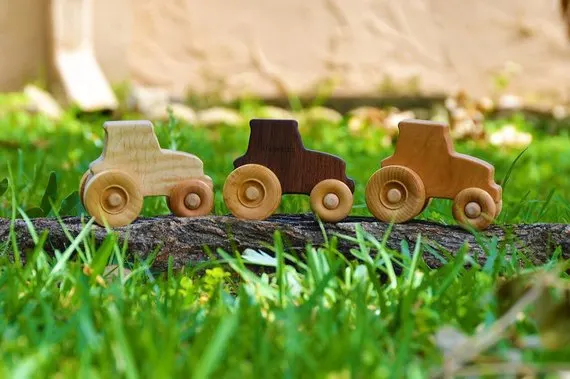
(425, 166)
(133, 166)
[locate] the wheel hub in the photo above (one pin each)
(251, 193)
(192, 201)
(472, 209)
(393, 194)
(115, 198)
(331, 201)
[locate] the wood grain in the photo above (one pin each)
(252, 192)
(475, 207)
(277, 145)
(191, 198)
(427, 148)
(113, 197)
(184, 239)
(425, 157)
(132, 146)
(141, 168)
(331, 200)
(395, 194)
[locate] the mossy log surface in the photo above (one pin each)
(185, 239)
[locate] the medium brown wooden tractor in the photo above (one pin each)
(425, 166)
(277, 163)
(133, 166)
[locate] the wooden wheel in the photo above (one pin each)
(499, 207)
(86, 176)
(252, 192)
(191, 198)
(395, 194)
(474, 207)
(113, 197)
(331, 200)
(426, 204)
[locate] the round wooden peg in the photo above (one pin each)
(331, 200)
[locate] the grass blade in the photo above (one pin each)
(50, 194)
(217, 347)
(510, 170)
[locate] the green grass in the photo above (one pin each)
(314, 314)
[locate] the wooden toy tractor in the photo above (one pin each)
(277, 163)
(425, 166)
(133, 166)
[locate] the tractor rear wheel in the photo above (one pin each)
(331, 200)
(474, 207)
(191, 198)
(252, 192)
(499, 207)
(82, 184)
(113, 197)
(426, 204)
(395, 194)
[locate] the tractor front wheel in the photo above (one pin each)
(113, 197)
(252, 192)
(191, 198)
(474, 207)
(331, 200)
(395, 194)
(499, 207)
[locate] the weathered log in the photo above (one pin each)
(185, 239)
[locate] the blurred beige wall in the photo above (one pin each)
(23, 42)
(111, 37)
(264, 46)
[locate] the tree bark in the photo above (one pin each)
(185, 238)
